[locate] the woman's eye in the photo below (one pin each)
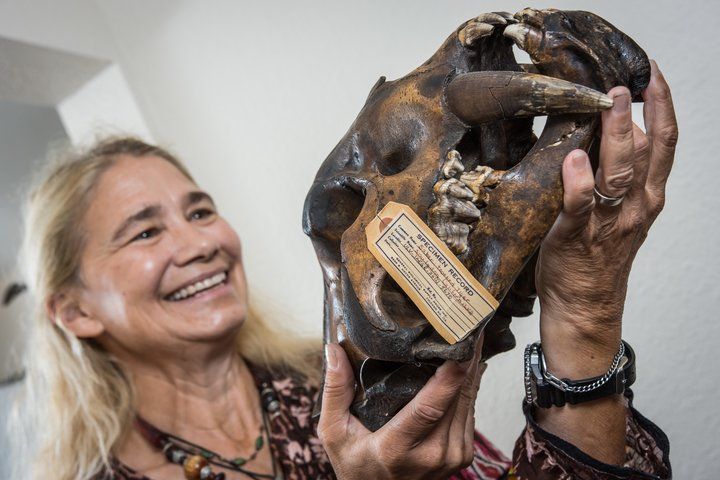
(201, 213)
(146, 234)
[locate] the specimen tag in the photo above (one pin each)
(451, 299)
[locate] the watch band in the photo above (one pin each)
(545, 390)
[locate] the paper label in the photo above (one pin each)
(451, 299)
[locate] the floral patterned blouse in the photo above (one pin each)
(538, 455)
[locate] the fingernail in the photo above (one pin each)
(578, 159)
(654, 66)
(331, 361)
(621, 103)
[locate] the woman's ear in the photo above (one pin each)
(65, 308)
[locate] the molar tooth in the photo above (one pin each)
(478, 180)
(460, 191)
(464, 210)
(453, 164)
(191, 289)
(441, 186)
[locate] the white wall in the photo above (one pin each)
(103, 106)
(26, 131)
(253, 95)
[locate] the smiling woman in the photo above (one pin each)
(138, 286)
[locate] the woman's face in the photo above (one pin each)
(161, 269)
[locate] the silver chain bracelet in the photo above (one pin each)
(528, 383)
(535, 350)
(559, 383)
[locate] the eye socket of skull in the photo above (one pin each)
(395, 162)
(331, 208)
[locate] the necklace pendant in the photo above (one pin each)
(196, 467)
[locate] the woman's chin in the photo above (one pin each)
(215, 326)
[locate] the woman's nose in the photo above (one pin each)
(193, 244)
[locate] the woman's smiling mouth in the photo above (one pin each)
(198, 287)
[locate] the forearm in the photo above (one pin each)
(583, 267)
(597, 427)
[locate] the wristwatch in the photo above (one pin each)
(545, 390)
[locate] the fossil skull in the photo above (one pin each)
(453, 139)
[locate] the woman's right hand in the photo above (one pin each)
(431, 437)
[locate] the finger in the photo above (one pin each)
(425, 412)
(662, 130)
(578, 200)
(454, 425)
(615, 173)
(469, 391)
(466, 400)
(455, 421)
(470, 420)
(338, 394)
(642, 159)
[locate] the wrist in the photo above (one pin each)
(575, 348)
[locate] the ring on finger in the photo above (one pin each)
(606, 201)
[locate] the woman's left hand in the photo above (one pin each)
(585, 260)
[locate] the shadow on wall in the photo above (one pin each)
(12, 311)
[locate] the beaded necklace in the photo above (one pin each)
(196, 460)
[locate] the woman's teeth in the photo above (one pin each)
(198, 287)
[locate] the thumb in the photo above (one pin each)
(578, 200)
(338, 394)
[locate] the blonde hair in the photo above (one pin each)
(78, 402)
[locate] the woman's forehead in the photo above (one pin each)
(134, 183)
(133, 179)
